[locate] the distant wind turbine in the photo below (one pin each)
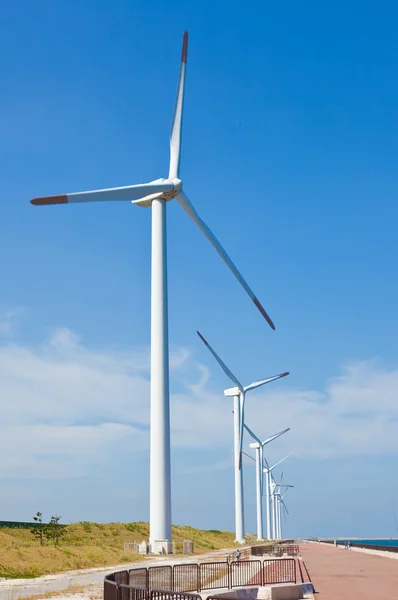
(269, 497)
(258, 445)
(156, 194)
(276, 504)
(285, 513)
(238, 393)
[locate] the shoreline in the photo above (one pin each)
(385, 553)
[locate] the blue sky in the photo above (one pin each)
(289, 154)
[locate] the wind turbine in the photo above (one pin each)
(281, 503)
(156, 194)
(276, 504)
(259, 447)
(238, 393)
(269, 497)
(285, 513)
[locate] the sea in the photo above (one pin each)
(371, 542)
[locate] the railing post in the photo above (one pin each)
(230, 575)
(198, 578)
(172, 578)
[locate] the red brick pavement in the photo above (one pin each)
(339, 574)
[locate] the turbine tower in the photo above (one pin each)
(258, 445)
(155, 195)
(239, 394)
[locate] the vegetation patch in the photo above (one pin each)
(24, 553)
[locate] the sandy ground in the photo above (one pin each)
(95, 592)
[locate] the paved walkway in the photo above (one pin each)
(339, 574)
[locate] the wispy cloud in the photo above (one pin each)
(9, 320)
(66, 408)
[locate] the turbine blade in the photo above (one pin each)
(126, 193)
(248, 456)
(220, 362)
(257, 384)
(189, 209)
(249, 431)
(273, 437)
(284, 506)
(176, 126)
(279, 462)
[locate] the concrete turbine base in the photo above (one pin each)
(161, 547)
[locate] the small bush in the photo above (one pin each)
(66, 552)
(16, 573)
(216, 531)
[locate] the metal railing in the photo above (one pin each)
(214, 575)
(178, 581)
(167, 595)
(185, 578)
(139, 578)
(276, 550)
(279, 571)
(161, 578)
(246, 573)
(111, 590)
(127, 592)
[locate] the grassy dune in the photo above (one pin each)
(86, 545)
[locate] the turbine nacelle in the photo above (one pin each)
(231, 392)
(255, 445)
(146, 201)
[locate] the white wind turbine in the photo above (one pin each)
(285, 511)
(280, 503)
(276, 507)
(269, 497)
(156, 194)
(259, 448)
(239, 394)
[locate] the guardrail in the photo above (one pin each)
(178, 581)
(276, 550)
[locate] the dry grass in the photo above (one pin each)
(87, 545)
(91, 592)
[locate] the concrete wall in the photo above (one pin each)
(281, 591)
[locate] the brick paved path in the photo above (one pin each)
(339, 574)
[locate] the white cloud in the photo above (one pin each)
(67, 408)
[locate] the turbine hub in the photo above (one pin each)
(146, 201)
(177, 183)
